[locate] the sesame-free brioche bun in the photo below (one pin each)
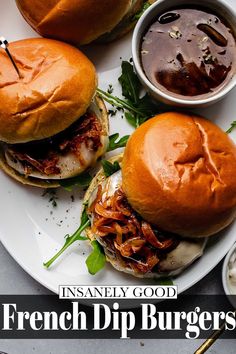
(179, 173)
(56, 87)
(75, 21)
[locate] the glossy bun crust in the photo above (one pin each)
(179, 173)
(75, 21)
(56, 88)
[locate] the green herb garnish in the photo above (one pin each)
(110, 89)
(110, 168)
(97, 259)
(77, 236)
(82, 180)
(129, 82)
(137, 108)
(146, 5)
(165, 281)
(112, 112)
(51, 193)
(114, 143)
(232, 127)
(118, 102)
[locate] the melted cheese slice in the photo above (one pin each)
(69, 164)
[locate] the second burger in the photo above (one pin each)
(176, 187)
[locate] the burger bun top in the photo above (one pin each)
(75, 21)
(56, 85)
(179, 174)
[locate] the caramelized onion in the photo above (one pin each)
(106, 213)
(117, 223)
(130, 246)
(152, 239)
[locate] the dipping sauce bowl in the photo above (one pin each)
(185, 53)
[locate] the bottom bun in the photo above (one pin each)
(30, 181)
(176, 260)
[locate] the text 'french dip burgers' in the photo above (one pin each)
(81, 21)
(52, 125)
(176, 186)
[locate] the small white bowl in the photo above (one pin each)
(225, 276)
(219, 7)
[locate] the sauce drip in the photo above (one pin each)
(189, 52)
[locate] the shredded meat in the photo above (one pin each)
(47, 165)
(44, 155)
(136, 240)
(87, 130)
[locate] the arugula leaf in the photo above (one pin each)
(146, 5)
(84, 216)
(165, 281)
(85, 222)
(232, 127)
(114, 144)
(118, 102)
(147, 106)
(137, 108)
(110, 168)
(132, 119)
(97, 259)
(82, 180)
(129, 82)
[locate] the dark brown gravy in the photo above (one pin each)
(189, 52)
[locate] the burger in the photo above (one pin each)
(52, 124)
(81, 21)
(176, 187)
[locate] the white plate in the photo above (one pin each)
(32, 234)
